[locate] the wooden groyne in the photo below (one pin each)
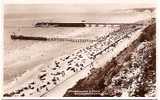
(22, 37)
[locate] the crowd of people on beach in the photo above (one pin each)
(64, 67)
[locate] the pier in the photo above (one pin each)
(49, 24)
(22, 37)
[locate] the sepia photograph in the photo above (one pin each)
(67, 48)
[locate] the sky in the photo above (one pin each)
(84, 6)
(149, 2)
